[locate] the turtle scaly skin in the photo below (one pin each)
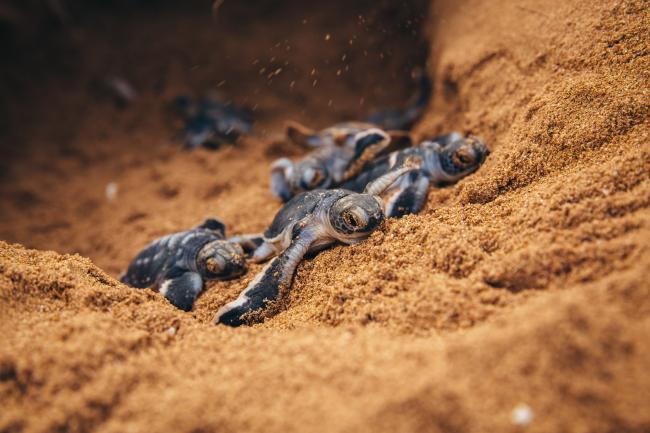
(178, 264)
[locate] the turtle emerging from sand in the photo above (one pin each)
(342, 150)
(210, 122)
(309, 222)
(444, 160)
(178, 264)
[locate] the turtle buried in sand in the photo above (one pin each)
(309, 222)
(210, 122)
(341, 151)
(444, 160)
(178, 264)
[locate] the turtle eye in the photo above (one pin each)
(463, 158)
(350, 219)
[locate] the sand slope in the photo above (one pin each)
(523, 284)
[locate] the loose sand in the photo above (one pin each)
(518, 300)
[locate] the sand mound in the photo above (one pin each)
(517, 300)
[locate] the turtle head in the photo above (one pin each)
(462, 157)
(354, 216)
(221, 260)
(289, 179)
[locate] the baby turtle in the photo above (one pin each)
(210, 123)
(341, 151)
(445, 160)
(404, 118)
(309, 222)
(179, 263)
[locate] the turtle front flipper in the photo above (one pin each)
(181, 288)
(214, 225)
(410, 197)
(382, 183)
(368, 145)
(281, 173)
(268, 284)
(445, 140)
(302, 135)
(248, 242)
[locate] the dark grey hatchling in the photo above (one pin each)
(444, 160)
(309, 222)
(177, 265)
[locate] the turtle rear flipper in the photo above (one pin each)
(267, 285)
(181, 288)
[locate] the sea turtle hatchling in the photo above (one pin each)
(444, 160)
(309, 222)
(210, 122)
(178, 264)
(341, 151)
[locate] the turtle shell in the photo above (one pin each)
(178, 249)
(294, 210)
